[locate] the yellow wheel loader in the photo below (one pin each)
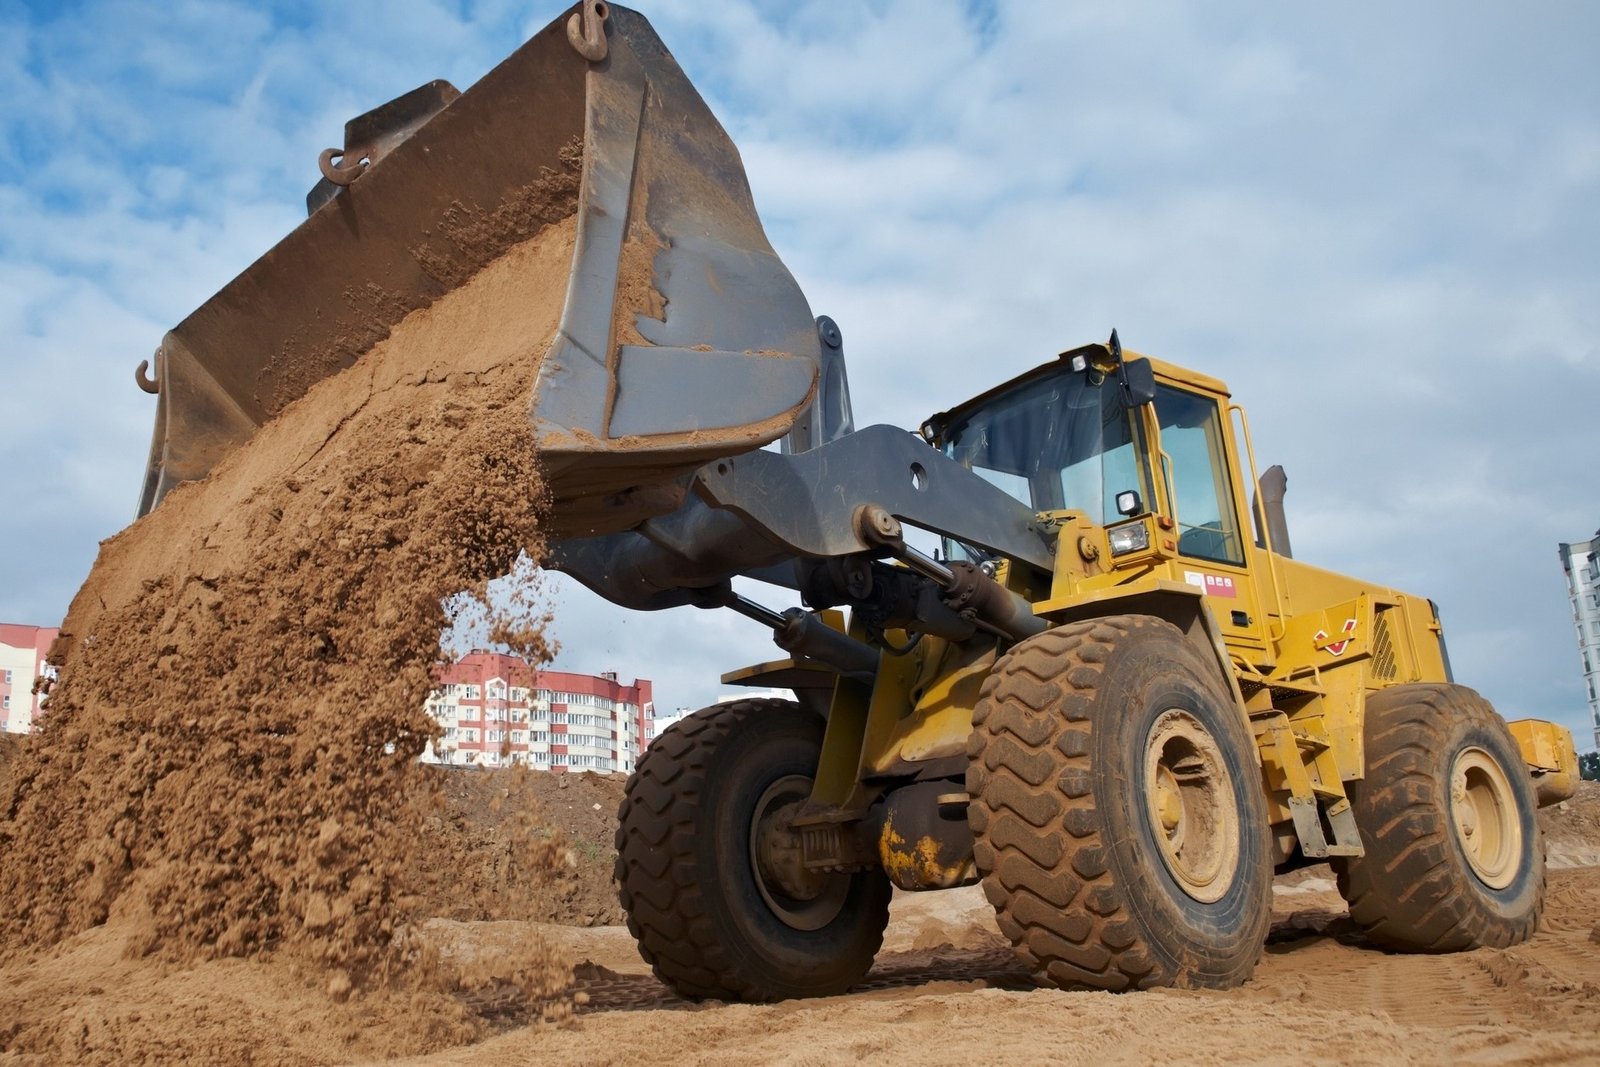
(1110, 695)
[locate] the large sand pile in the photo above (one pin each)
(228, 770)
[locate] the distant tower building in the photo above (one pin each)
(1581, 561)
(22, 652)
(662, 723)
(496, 710)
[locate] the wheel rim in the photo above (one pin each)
(1483, 813)
(803, 899)
(1191, 806)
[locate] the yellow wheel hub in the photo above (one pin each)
(1483, 814)
(1190, 801)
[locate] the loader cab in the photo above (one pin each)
(1068, 436)
(1056, 439)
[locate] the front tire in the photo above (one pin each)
(1454, 859)
(1117, 806)
(709, 874)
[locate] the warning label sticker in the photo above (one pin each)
(1213, 584)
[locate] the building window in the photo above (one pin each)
(5, 702)
(8, 677)
(473, 692)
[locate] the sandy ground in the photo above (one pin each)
(944, 979)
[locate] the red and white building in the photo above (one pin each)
(22, 652)
(495, 710)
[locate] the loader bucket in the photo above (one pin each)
(683, 337)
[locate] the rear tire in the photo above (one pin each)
(1454, 859)
(1118, 811)
(709, 917)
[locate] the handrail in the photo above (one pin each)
(1266, 527)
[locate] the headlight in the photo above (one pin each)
(1134, 537)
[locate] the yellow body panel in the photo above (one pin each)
(1553, 758)
(1300, 649)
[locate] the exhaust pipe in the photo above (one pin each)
(1269, 510)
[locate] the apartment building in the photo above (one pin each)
(496, 710)
(22, 652)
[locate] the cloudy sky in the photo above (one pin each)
(1379, 223)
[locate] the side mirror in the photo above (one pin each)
(1138, 382)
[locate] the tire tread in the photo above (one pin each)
(661, 892)
(1055, 893)
(1409, 891)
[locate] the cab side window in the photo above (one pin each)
(1191, 436)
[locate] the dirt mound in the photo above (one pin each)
(1572, 828)
(481, 835)
(228, 768)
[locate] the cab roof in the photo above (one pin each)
(934, 426)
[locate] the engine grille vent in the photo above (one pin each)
(1383, 665)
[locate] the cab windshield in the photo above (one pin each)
(1054, 443)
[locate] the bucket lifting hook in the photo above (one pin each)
(343, 172)
(147, 383)
(586, 30)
